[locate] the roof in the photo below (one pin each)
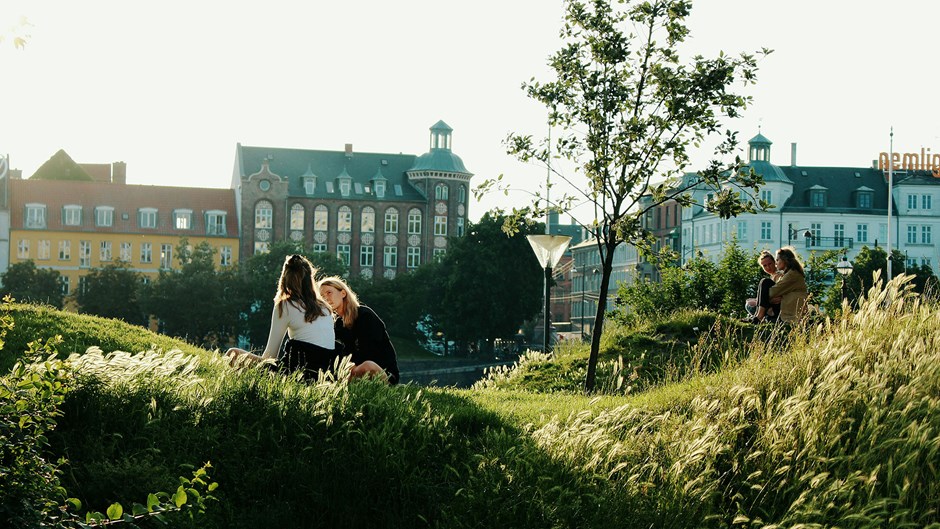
(443, 160)
(841, 185)
(61, 166)
(327, 166)
(125, 199)
(768, 171)
(759, 139)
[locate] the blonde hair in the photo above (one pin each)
(296, 286)
(764, 255)
(350, 309)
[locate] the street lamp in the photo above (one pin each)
(845, 269)
(548, 250)
(792, 233)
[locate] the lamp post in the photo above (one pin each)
(845, 269)
(792, 233)
(548, 250)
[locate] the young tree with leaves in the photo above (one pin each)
(629, 112)
(29, 284)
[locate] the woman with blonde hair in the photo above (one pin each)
(361, 331)
(791, 287)
(300, 312)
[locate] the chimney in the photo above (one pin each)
(349, 150)
(119, 173)
(793, 154)
(16, 174)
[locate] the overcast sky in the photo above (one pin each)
(170, 87)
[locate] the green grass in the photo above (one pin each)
(830, 425)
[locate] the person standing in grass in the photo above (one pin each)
(300, 312)
(361, 331)
(791, 287)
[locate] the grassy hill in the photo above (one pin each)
(701, 423)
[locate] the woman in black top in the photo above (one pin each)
(361, 331)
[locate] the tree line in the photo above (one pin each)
(485, 287)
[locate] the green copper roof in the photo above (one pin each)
(440, 160)
(760, 139)
(769, 171)
(441, 126)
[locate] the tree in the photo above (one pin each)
(866, 264)
(630, 113)
(738, 275)
(197, 302)
(24, 282)
(113, 292)
(491, 282)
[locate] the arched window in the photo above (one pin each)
(414, 221)
(321, 218)
(440, 192)
(264, 215)
(391, 220)
(297, 217)
(461, 194)
(367, 224)
(344, 219)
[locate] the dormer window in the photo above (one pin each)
(380, 188)
(310, 183)
(147, 217)
(104, 216)
(864, 199)
(72, 215)
(817, 198)
(345, 186)
(35, 215)
(183, 219)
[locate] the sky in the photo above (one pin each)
(171, 87)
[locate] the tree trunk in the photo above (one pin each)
(606, 270)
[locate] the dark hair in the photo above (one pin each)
(789, 256)
(296, 286)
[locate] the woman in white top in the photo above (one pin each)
(304, 316)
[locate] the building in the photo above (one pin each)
(382, 214)
(586, 280)
(823, 208)
(95, 218)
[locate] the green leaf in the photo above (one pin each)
(180, 497)
(115, 511)
(74, 503)
(212, 486)
(138, 509)
(152, 502)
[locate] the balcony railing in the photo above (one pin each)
(828, 243)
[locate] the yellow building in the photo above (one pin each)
(74, 226)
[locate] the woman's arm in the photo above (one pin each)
(788, 283)
(276, 334)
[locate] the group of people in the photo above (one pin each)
(323, 321)
(781, 296)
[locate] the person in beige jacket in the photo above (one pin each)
(791, 288)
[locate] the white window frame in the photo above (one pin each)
(146, 253)
(126, 252)
(22, 249)
(344, 219)
(84, 254)
(321, 218)
(104, 251)
(104, 216)
(414, 222)
(367, 256)
(297, 214)
(35, 216)
(264, 215)
(390, 257)
(391, 220)
(215, 222)
(65, 250)
(147, 218)
(440, 225)
(183, 219)
(414, 257)
(343, 253)
(861, 233)
(44, 250)
(166, 256)
(71, 215)
(367, 220)
(225, 255)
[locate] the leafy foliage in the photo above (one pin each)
(629, 111)
(113, 291)
(25, 282)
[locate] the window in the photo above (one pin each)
(147, 218)
(817, 198)
(391, 220)
(84, 253)
(215, 222)
(65, 250)
(225, 256)
(414, 257)
(911, 201)
(344, 219)
(345, 184)
(765, 230)
(816, 229)
(104, 254)
(390, 258)
(297, 217)
(264, 215)
(864, 200)
(35, 215)
(104, 216)
(310, 183)
(380, 188)
(262, 247)
(166, 256)
(911, 262)
(319, 248)
(912, 235)
(146, 253)
(366, 256)
(460, 226)
(925, 261)
(882, 232)
(926, 201)
(321, 218)
(65, 285)
(767, 195)
(343, 252)
(72, 215)
(44, 250)
(861, 233)
(440, 225)
(439, 254)
(839, 234)
(461, 194)
(126, 252)
(925, 237)
(22, 249)
(440, 192)
(414, 222)
(183, 219)
(368, 220)
(742, 230)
